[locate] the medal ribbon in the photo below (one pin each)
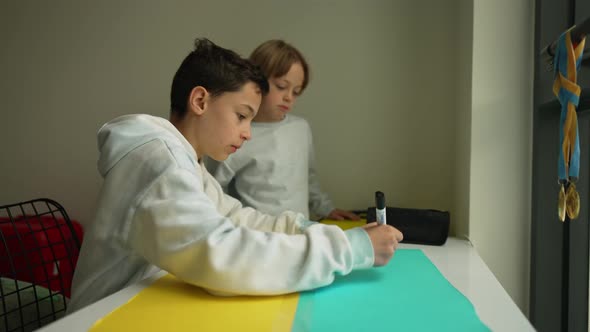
(566, 64)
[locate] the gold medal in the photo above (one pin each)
(561, 204)
(572, 199)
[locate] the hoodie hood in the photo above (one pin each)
(120, 136)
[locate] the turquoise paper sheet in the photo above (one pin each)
(409, 294)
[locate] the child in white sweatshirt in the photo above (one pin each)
(159, 208)
(275, 171)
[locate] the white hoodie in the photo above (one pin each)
(160, 209)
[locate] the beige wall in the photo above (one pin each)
(389, 100)
(501, 140)
(462, 168)
(380, 102)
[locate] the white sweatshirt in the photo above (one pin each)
(160, 209)
(275, 171)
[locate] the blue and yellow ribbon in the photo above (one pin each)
(566, 64)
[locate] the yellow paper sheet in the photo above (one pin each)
(345, 224)
(172, 305)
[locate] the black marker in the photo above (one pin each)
(380, 211)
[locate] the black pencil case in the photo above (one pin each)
(419, 226)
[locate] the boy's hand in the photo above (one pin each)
(385, 239)
(338, 214)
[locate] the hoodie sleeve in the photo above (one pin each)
(176, 227)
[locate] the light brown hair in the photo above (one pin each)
(275, 57)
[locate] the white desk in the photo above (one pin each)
(457, 260)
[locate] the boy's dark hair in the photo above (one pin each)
(217, 69)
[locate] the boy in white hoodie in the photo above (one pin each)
(160, 209)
